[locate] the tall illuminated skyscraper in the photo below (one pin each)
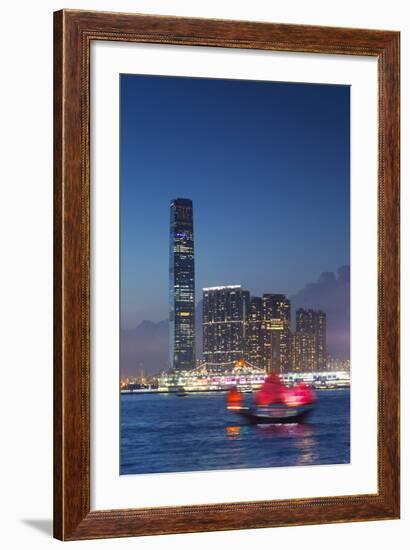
(181, 287)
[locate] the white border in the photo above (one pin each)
(108, 489)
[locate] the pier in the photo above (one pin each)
(245, 376)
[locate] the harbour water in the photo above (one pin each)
(166, 433)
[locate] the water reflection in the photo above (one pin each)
(299, 429)
(300, 437)
(161, 434)
(307, 446)
(234, 432)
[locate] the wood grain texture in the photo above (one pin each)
(73, 33)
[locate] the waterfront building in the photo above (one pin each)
(254, 333)
(303, 356)
(276, 333)
(335, 364)
(321, 341)
(224, 315)
(181, 287)
(241, 374)
(309, 341)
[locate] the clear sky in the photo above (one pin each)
(267, 168)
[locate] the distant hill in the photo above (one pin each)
(331, 293)
(146, 346)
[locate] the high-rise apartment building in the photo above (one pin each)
(309, 341)
(254, 333)
(225, 311)
(276, 332)
(303, 354)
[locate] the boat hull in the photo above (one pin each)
(290, 415)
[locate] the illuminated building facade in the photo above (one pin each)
(321, 341)
(254, 333)
(181, 287)
(303, 356)
(309, 341)
(276, 333)
(224, 315)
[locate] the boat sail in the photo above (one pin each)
(274, 403)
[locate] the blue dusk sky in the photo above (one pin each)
(267, 167)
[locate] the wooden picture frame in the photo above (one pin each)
(74, 32)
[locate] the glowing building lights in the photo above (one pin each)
(309, 341)
(181, 287)
(225, 309)
(235, 325)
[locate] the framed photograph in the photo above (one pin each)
(226, 275)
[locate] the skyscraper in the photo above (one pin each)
(225, 310)
(276, 332)
(309, 341)
(303, 352)
(181, 286)
(254, 333)
(321, 340)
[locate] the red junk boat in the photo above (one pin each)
(274, 403)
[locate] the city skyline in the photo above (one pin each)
(146, 346)
(271, 187)
(234, 274)
(240, 327)
(235, 325)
